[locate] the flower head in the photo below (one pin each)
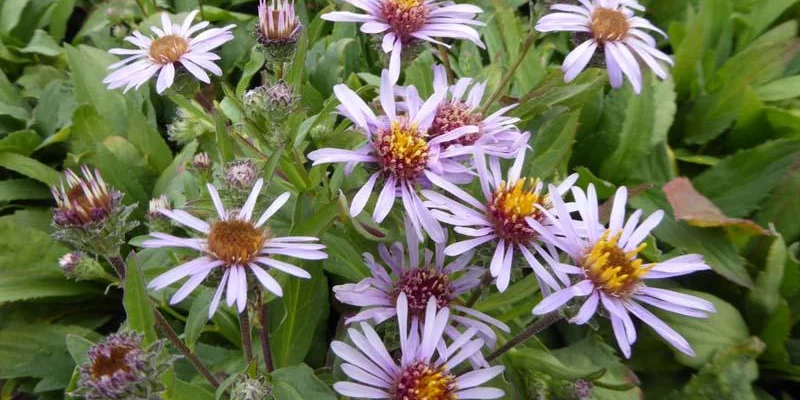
(497, 134)
(609, 271)
(171, 51)
(201, 162)
(419, 277)
(613, 27)
(120, 369)
(406, 22)
(426, 364)
(86, 199)
(400, 151)
(235, 244)
(500, 218)
(278, 28)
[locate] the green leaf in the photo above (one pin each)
(190, 391)
(781, 203)
(30, 287)
(781, 89)
(23, 189)
(552, 146)
(149, 142)
(766, 294)
(728, 375)
(198, 317)
(137, 303)
(55, 108)
(78, 347)
(20, 142)
(58, 20)
(592, 354)
(42, 44)
(295, 316)
(299, 383)
(720, 331)
(29, 167)
(719, 253)
(10, 14)
(343, 259)
(250, 69)
(760, 18)
(739, 183)
(531, 359)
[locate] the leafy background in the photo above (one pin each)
(728, 120)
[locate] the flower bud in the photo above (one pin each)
(278, 29)
(156, 221)
(187, 127)
(81, 267)
(119, 368)
(251, 389)
(201, 163)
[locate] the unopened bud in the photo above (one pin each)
(241, 174)
(251, 389)
(187, 127)
(81, 267)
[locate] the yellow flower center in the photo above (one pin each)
(404, 16)
(402, 150)
(511, 204)
(168, 49)
(235, 242)
(609, 25)
(613, 270)
(421, 381)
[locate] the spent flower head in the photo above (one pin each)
(119, 368)
(241, 174)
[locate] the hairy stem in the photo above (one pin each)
(534, 328)
(526, 46)
(247, 340)
(264, 316)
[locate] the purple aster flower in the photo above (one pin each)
(236, 243)
(615, 29)
(84, 200)
(500, 218)
(610, 273)
(406, 22)
(419, 277)
(171, 51)
(425, 367)
(398, 145)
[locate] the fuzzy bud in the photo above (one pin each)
(187, 127)
(80, 267)
(274, 103)
(251, 389)
(201, 163)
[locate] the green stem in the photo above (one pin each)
(536, 327)
(264, 316)
(446, 60)
(247, 339)
(526, 46)
(202, 12)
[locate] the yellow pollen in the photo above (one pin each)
(235, 242)
(403, 150)
(421, 381)
(168, 49)
(612, 269)
(407, 4)
(518, 201)
(609, 25)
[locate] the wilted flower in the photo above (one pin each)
(614, 28)
(500, 218)
(120, 369)
(235, 244)
(278, 28)
(497, 134)
(610, 272)
(398, 145)
(420, 277)
(201, 162)
(406, 22)
(425, 370)
(241, 174)
(171, 51)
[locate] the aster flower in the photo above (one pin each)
(120, 369)
(171, 51)
(420, 277)
(615, 29)
(500, 218)
(497, 133)
(398, 145)
(610, 273)
(236, 244)
(84, 200)
(404, 23)
(424, 370)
